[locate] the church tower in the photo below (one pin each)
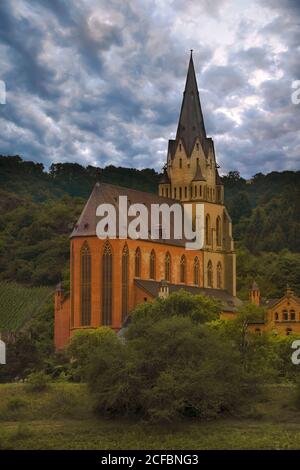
(191, 176)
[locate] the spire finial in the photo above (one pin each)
(192, 50)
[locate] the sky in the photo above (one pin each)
(100, 82)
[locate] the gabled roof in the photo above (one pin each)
(191, 123)
(198, 175)
(109, 194)
(229, 303)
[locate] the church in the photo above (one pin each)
(109, 277)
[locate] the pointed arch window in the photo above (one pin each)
(219, 275)
(180, 192)
(168, 267)
(152, 265)
(107, 260)
(85, 256)
(125, 283)
(196, 271)
(219, 231)
(182, 268)
(208, 230)
(137, 262)
(180, 162)
(209, 274)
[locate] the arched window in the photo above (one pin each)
(162, 192)
(195, 190)
(168, 267)
(196, 271)
(219, 231)
(185, 191)
(276, 316)
(209, 274)
(182, 268)
(285, 315)
(292, 315)
(85, 285)
(180, 162)
(137, 263)
(219, 275)
(175, 193)
(107, 285)
(152, 265)
(125, 275)
(180, 192)
(207, 230)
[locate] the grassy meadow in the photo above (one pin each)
(61, 417)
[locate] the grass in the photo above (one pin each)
(62, 418)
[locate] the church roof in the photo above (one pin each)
(165, 178)
(104, 193)
(230, 303)
(191, 123)
(198, 175)
(218, 179)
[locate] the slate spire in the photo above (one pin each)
(191, 123)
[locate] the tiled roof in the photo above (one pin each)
(108, 193)
(229, 302)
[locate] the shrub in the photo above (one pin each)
(83, 346)
(171, 366)
(38, 381)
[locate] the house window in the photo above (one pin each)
(219, 276)
(152, 265)
(107, 285)
(208, 230)
(209, 274)
(292, 315)
(125, 273)
(137, 263)
(276, 316)
(285, 315)
(182, 268)
(85, 285)
(219, 231)
(289, 331)
(168, 267)
(196, 271)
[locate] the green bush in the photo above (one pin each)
(38, 382)
(171, 365)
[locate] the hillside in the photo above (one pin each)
(19, 304)
(38, 210)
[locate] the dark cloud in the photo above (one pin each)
(100, 81)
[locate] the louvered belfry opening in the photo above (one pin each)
(85, 285)
(125, 275)
(107, 285)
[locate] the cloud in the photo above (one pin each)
(100, 82)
